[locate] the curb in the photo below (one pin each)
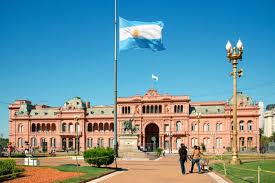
(105, 177)
(216, 177)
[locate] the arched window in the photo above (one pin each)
(106, 127)
(147, 109)
(43, 127)
(194, 141)
(143, 109)
(64, 127)
(38, 128)
(20, 128)
(71, 128)
(33, 127)
(249, 125)
(123, 110)
(175, 109)
(178, 126)
(152, 109)
(53, 128)
(241, 125)
(95, 128)
(100, 126)
(219, 127)
(181, 108)
(48, 127)
(112, 127)
(33, 142)
(206, 127)
(194, 127)
(100, 142)
(20, 142)
(90, 127)
(160, 109)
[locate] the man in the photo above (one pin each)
(196, 159)
(183, 157)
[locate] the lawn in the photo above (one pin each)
(87, 172)
(247, 172)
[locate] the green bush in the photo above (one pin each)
(99, 156)
(7, 166)
(159, 151)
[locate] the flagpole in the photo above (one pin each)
(115, 84)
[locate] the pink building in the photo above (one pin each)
(163, 121)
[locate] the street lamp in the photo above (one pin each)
(198, 115)
(76, 134)
(233, 57)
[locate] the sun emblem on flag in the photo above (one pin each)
(135, 33)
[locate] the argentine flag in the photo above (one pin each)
(135, 35)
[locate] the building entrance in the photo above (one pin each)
(151, 137)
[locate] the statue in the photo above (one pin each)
(128, 126)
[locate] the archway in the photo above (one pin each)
(151, 137)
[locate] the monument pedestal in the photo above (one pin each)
(128, 147)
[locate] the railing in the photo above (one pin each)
(71, 133)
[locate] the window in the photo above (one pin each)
(249, 126)
(166, 144)
(241, 126)
(218, 110)
(102, 112)
(219, 142)
(178, 108)
(20, 128)
(206, 127)
(92, 112)
(100, 142)
(90, 127)
(219, 127)
(178, 126)
(137, 127)
(166, 128)
(206, 142)
(33, 127)
(194, 127)
(20, 142)
(64, 127)
(46, 113)
(33, 142)
(111, 142)
(194, 141)
(206, 110)
(89, 142)
(53, 142)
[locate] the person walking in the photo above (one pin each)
(183, 157)
(196, 159)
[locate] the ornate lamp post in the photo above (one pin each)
(198, 114)
(76, 134)
(233, 57)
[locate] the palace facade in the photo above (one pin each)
(163, 121)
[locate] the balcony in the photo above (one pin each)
(70, 133)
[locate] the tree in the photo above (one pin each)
(272, 137)
(4, 142)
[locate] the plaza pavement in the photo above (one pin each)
(164, 170)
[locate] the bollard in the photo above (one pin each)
(225, 173)
(259, 174)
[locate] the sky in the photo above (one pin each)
(51, 51)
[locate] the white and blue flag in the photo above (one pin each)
(154, 77)
(135, 35)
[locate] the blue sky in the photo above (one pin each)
(51, 51)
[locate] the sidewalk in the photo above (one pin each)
(164, 170)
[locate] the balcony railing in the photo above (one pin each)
(71, 133)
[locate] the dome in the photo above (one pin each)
(242, 100)
(75, 103)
